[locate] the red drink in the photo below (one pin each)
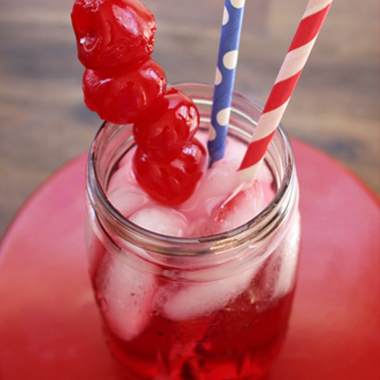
(214, 306)
(237, 342)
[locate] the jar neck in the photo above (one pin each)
(114, 141)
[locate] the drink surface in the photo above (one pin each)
(214, 207)
(225, 321)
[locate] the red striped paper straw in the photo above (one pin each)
(284, 85)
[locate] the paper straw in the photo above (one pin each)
(225, 77)
(285, 83)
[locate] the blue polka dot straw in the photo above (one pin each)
(225, 77)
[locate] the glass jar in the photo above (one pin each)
(210, 307)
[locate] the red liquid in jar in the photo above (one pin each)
(239, 341)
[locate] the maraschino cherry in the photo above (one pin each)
(172, 181)
(126, 96)
(164, 131)
(112, 34)
(124, 85)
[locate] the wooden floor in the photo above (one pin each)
(43, 122)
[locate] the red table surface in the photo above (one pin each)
(49, 324)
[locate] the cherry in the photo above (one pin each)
(126, 96)
(164, 131)
(124, 85)
(171, 182)
(112, 34)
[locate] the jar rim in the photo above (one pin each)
(230, 237)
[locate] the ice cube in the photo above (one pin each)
(162, 220)
(123, 176)
(118, 180)
(264, 176)
(128, 295)
(289, 258)
(212, 189)
(239, 208)
(194, 300)
(127, 200)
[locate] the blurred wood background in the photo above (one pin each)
(44, 123)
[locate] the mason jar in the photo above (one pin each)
(204, 307)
